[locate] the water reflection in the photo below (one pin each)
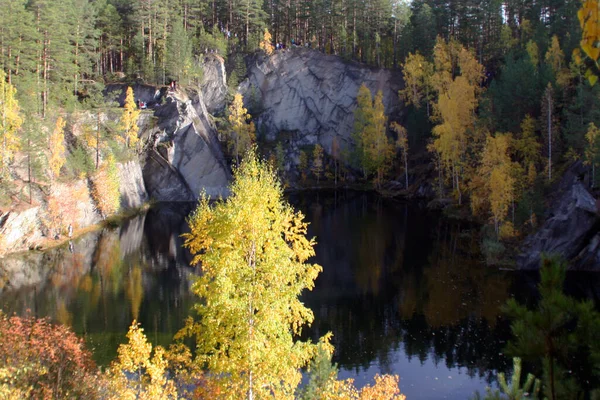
(403, 291)
(138, 271)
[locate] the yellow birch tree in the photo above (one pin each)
(417, 72)
(253, 251)
(106, 187)
(56, 146)
(10, 123)
(242, 133)
(129, 119)
(455, 108)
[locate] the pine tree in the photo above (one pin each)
(253, 253)
(556, 330)
(303, 165)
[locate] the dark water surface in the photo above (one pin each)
(403, 291)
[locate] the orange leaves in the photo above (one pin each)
(45, 360)
(266, 43)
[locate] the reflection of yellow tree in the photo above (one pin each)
(107, 261)
(62, 313)
(135, 290)
(459, 285)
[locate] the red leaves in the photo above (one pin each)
(49, 359)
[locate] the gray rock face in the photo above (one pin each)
(133, 191)
(214, 83)
(186, 158)
(313, 94)
(566, 232)
(20, 230)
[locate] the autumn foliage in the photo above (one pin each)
(56, 146)
(106, 183)
(129, 120)
(44, 361)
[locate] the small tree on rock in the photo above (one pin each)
(129, 120)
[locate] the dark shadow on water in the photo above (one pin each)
(403, 290)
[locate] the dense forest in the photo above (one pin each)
(500, 98)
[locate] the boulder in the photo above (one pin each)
(312, 94)
(570, 229)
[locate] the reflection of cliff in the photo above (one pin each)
(398, 279)
(110, 278)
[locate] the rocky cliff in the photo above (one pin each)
(214, 83)
(312, 95)
(571, 228)
(185, 158)
(66, 204)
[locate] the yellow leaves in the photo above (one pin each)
(534, 53)
(385, 388)
(555, 56)
(128, 124)
(242, 133)
(266, 43)
(56, 145)
(496, 183)
(146, 376)
(10, 123)
(417, 74)
(106, 187)
(590, 37)
(252, 249)
(373, 148)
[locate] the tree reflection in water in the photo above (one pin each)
(399, 281)
(403, 290)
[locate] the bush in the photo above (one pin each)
(42, 360)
